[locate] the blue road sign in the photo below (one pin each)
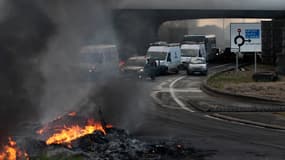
(252, 33)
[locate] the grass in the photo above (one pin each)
(219, 81)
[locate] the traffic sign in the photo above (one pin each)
(246, 37)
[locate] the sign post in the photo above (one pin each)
(255, 62)
(246, 37)
(237, 54)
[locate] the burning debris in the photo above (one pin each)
(72, 136)
(68, 134)
(75, 136)
(12, 152)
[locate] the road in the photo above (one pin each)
(173, 117)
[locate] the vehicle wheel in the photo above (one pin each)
(152, 77)
(189, 72)
(176, 71)
(181, 67)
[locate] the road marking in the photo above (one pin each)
(208, 116)
(233, 122)
(241, 123)
(158, 101)
(172, 93)
(190, 90)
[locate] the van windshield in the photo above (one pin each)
(91, 58)
(157, 55)
(136, 62)
(189, 52)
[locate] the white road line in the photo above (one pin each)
(233, 122)
(172, 92)
(208, 116)
(190, 90)
(157, 100)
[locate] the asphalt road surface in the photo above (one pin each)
(174, 118)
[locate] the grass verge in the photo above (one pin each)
(221, 80)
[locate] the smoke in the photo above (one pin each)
(39, 45)
(78, 23)
(40, 42)
(81, 23)
(24, 33)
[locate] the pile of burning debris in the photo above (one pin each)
(72, 136)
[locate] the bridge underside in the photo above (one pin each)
(137, 28)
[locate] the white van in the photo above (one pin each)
(189, 51)
(209, 42)
(167, 56)
(99, 60)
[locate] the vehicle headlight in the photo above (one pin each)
(141, 70)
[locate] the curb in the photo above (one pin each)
(228, 118)
(159, 102)
(204, 108)
(210, 90)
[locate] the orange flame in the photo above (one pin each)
(69, 134)
(11, 152)
(72, 114)
(40, 131)
(109, 126)
(43, 130)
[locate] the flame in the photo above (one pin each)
(11, 152)
(44, 129)
(40, 131)
(69, 134)
(72, 114)
(109, 126)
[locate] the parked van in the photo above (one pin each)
(99, 61)
(189, 51)
(167, 56)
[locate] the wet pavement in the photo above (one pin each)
(260, 117)
(229, 140)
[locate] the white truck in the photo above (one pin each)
(167, 56)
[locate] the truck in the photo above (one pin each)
(208, 40)
(167, 56)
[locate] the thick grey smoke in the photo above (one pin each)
(40, 41)
(24, 33)
(79, 23)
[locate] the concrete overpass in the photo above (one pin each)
(200, 5)
(137, 22)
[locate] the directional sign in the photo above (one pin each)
(246, 37)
